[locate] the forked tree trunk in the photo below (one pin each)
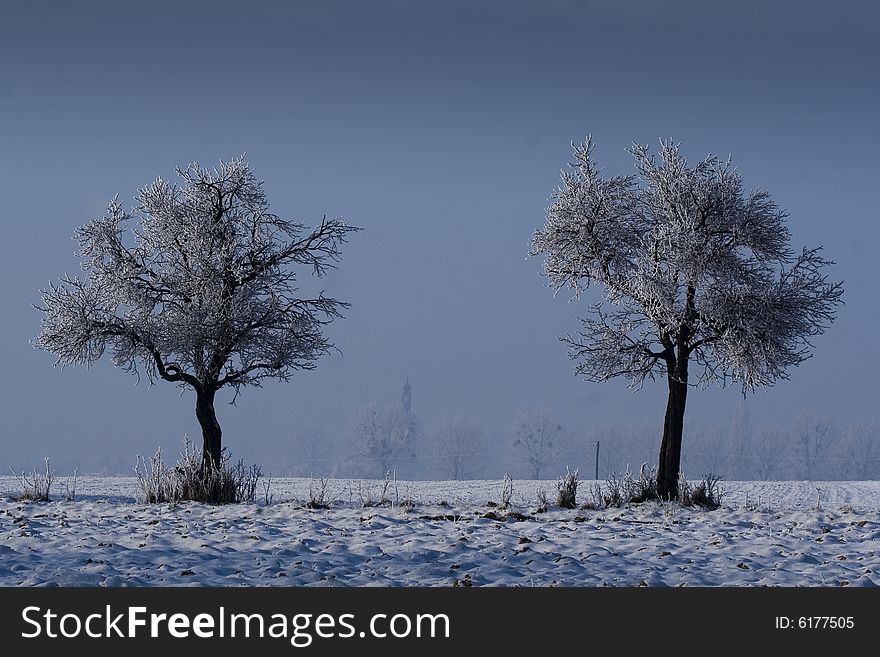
(211, 432)
(673, 428)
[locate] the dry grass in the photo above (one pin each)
(566, 490)
(191, 480)
(35, 485)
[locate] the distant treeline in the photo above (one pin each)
(809, 447)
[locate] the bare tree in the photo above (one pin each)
(693, 269)
(708, 453)
(770, 448)
(539, 440)
(623, 445)
(618, 447)
(814, 438)
(198, 287)
(383, 436)
(460, 448)
(858, 453)
(740, 443)
(613, 448)
(313, 451)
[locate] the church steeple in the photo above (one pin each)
(406, 397)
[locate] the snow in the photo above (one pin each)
(781, 533)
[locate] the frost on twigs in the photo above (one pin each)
(566, 490)
(705, 493)
(623, 490)
(543, 503)
(691, 265)
(192, 480)
(70, 487)
(506, 491)
(196, 283)
(199, 284)
(699, 281)
(319, 493)
(35, 486)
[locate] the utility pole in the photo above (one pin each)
(597, 460)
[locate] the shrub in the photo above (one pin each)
(190, 480)
(615, 494)
(267, 486)
(506, 491)
(642, 489)
(318, 493)
(542, 501)
(628, 489)
(596, 498)
(369, 499)
(408, 504)
(70, 488)
(566, 490)
(707, 493)
(34, 486)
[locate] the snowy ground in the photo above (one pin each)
(774, 533)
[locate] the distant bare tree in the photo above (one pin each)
(770, 448)
(708, 452)
(613, 441)
(695, 272)
(621, 444)
(859, 451)
(643, 442)
(539, 440)
(383, 436)
(739, 443)
(814, 438)
(460, 448)
(313, 452)
(198, 287)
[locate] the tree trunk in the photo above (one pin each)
(211, 433)
(670, 448)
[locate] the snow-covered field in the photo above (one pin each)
(767, 533)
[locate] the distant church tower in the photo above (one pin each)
(406, 397)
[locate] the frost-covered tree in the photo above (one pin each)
(198, 285)
(460, 448)
(694, 270)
